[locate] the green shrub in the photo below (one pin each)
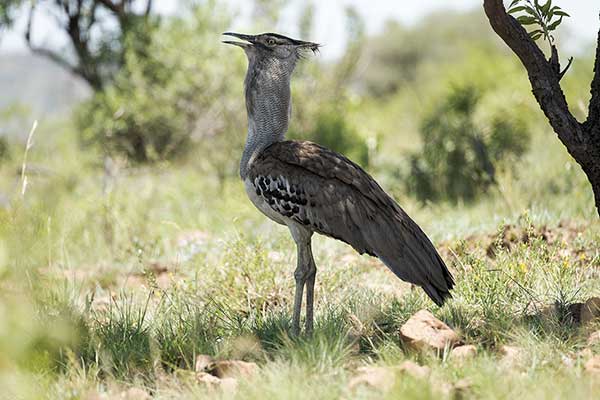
(461, 153)
(4, 150)
(168, 97)
(332, 130)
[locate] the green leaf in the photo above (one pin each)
(546, 7)
(536, 36)
(561, 13)
(525, 20)
(516, 9)
(535, 32)
(531, 11)
(513, 3)
(553, 26)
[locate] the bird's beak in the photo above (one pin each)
(250, 39)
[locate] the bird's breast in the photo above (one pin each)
(281, 200)
(255, 195)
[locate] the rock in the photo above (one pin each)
(134, 394)
(415, 370)
(225, 372)
(593, 365)
(590, 311)
(455, 391)
(461, 388)
(212, 382)
(233, 369)
(423, 330)
(465, 352)
(203, 363)
(511, 354)
(93, 395)
(376, 377)
(594, 339)
(208, 379)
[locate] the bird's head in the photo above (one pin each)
(272, 46)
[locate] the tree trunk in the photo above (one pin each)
(582, 140)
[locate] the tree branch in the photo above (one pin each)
(543, 76)
(581, 140)
(42, 51)
(117, 8)
(594, 108)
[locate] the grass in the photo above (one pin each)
(103, 290)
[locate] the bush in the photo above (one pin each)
(167, 97)
(4, 150)
(332, 130)
(461, 153)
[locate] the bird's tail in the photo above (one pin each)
(411, 256)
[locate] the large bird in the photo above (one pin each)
(311, 189)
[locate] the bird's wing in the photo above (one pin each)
(334, 196)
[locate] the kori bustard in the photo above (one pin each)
(312, 189)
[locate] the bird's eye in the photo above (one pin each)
(271, 42)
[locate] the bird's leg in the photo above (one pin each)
(302, 273)
(299, 276)
(310, 291)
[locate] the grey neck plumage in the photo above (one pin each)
(268, 103)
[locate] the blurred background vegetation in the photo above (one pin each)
(140, 144)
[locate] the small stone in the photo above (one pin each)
(423, 330)
(461, 388)
(134, 394)
(233, 369)
(593, 365)
(590, 311)
(594, 339)
(415, 370)
(465, 352)
(511, 354)
(376, 377)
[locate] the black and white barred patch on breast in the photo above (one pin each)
(288, 199)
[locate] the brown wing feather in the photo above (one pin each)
(337, 198)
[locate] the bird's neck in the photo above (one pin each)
(268, 103)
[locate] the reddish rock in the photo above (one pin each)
(465, 352)
(233, 369)
(223, 369)
(511, 354)
(415, 370)
(594, 339)
(134, 394)
(375, 377)
(461, 388)
(593, 365)
(203, 363)
(423, 330)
